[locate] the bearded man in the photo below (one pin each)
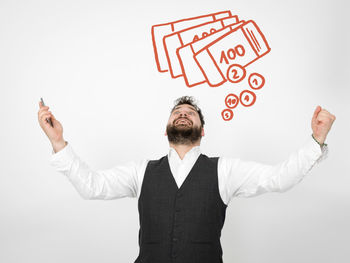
(183, 196)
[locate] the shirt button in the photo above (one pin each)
(175, 239)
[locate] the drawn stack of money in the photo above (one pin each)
(201, 49)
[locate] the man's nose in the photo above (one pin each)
(183, 114)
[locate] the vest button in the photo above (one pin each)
(175, 239)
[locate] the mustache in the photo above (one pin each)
(184, 118)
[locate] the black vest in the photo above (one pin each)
(181, 225)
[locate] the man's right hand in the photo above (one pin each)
(55, 133)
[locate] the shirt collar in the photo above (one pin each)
(194, 152)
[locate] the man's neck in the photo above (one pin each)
(182, 149)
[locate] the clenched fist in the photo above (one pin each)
(55, 133)
(321, 123)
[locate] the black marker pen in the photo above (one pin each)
(47, 119)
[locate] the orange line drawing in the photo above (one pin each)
(180, 38)
(235, 73)
(213, 49)
(231, 100)
(161, 30)
(218, 52)
(256, 81)
(190, 71)
(227, 114)
(247, 98)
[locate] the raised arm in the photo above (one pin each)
(248, 178)
(117, 182)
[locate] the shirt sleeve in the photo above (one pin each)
(117, 182)
(241, 178)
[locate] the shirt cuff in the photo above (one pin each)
(319, 153)
(62, 159)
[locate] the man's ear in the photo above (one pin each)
(202, 131)
(165, 133)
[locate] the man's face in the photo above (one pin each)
(184, 125)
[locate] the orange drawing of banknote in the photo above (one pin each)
(190, 70)
(242, 46)
(180, 38)
(161, 30)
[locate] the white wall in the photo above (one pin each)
(93, 63)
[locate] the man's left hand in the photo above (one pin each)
(321, 123)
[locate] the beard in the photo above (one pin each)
(183, 133)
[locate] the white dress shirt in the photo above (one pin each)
(236, 177)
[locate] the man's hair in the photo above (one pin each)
(191, 101)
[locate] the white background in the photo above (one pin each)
(93, 63)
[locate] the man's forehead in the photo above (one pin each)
(185, 106)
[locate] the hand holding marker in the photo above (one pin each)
(51, 126)
(47, 119)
